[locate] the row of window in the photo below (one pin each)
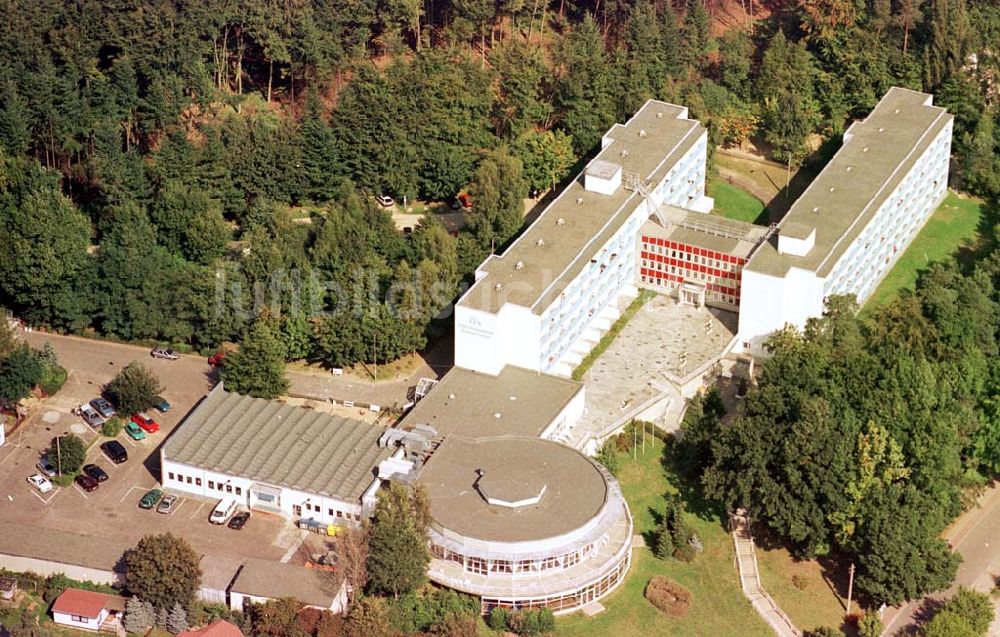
(727, 262)
(216, 486)
(481, 566)
(710, 295)
(701, 273)
(568, 601)
(316, 508)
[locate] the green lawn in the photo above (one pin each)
(718, 606)
(950, 229)
(735, 203)
(802, 589)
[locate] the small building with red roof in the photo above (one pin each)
(218, 628)
(88, 610)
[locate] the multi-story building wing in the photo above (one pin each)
(855, 219)
(547, 299)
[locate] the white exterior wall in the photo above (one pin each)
(238, 601)
(567, 418)
(566, 330)
(891, 230)
(87, 624)
(768, 303)
(287, 501)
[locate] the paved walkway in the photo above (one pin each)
(974, 536)
(746, 560)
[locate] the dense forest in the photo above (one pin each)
(154, 154)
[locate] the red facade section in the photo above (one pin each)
(668, 263)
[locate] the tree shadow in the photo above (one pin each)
(687, 487)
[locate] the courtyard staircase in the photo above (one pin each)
(746, 562)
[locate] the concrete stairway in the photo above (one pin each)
(746, 561)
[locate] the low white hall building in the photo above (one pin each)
(545, 302)
(277, 458)
(854, 220)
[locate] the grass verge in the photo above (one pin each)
(609, 337)
(951, 232)
(801, 588)
(733, 202)
(718, 606)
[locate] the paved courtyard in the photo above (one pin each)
(647, 359)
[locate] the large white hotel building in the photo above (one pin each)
(637, 217)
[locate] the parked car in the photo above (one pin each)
(167, 503)
(86, 483)
(46, 467)
(115, 451)
(161, 404)
(217, 358)
(162, 352)
(134, 432)
(40, 482)
(220, 514)
(95, 472)
(90, 415)
(385, 201)
(238, 521)
(103, 407)
(465, 200)
(150, 498)
(147, 424)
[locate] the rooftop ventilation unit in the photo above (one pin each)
(624, 153)
(881, 130)
(519, 265)
(498, 287)
(642, 132)
(659, 114)
(579, 200)
(560, 221)
(540, 243)
(815, 208)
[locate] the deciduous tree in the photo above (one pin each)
(163, 570)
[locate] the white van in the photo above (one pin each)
(222, 511)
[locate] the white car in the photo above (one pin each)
(40, 482)
(161, 352)
(385, 201)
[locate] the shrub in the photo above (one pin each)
(497, 619)
(670, 598)
(609, 456)
(53, 379)
(975, 607)
(800, 582)
(824, 631)
(63, 480)
(869, 626)
(112, 427)
(68, 453)
(685, 553)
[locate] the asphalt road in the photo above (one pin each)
(976, 536)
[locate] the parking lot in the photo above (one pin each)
(112, 510)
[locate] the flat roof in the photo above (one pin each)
(555, 248)
(311, 586)
(466, 403)
(575, 489)
(712, 232)
(43, 543)
(878, 152)
(278, 444)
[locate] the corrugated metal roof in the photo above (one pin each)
(280, 444)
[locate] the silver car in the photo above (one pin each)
(90, 415)
(161, 352)
(167, 504)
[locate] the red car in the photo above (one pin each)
(465, 200)
(145, 422)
